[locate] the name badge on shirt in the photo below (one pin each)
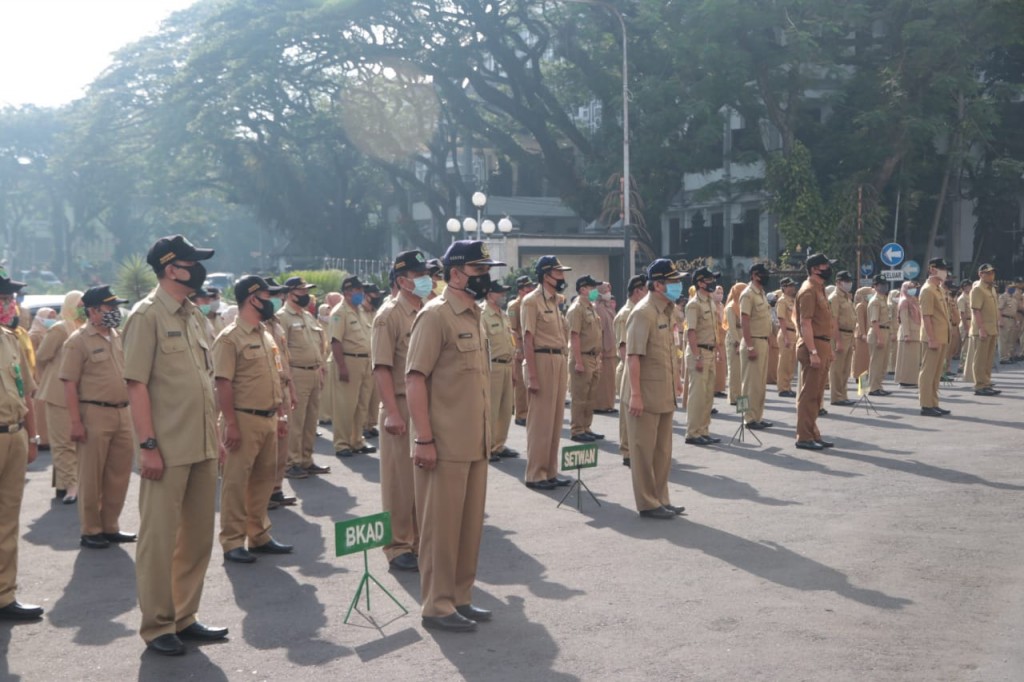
(173, 334)
(662, 326)
(466, 335)
(98, 350)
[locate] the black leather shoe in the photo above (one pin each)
(720, 394)
(495, 457)
(595, 436)
(808, 445)
(16, 611)
(825, 444)
(272, 546)
(674, 509)
(787, 394)
(712, 440)
(944, 412)
(59, 493)
(96, 541)
(767, 424)
(930, 412)
(203, 633)
(658, 513)
(699, 440)
(560, 481)
(581, 438)
(347, 452)
(453, 622)
(714, 410)
(987, 391)
(239, 555)
(755, 426)
(473, 613)
(878, 393)
(508, 452)
(317, 469)
(844, 403)
(366, 450)
(822, 412)
(121, 537)
(166, 645)
(282, 499)
(70, 499)
(625, 462)
(540, 485)
(520, 422)
(405, 562)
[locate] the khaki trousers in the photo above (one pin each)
(839, 371)
(931, 374)
(701, 390)
(327, 392)
(351, 398)
(583, 389)
(281, 453)
(606, 384)
(39, 410)
(984, 357)
(878, 364)
(650, 457)
(787, 364)
(522, 403)
(13, 465)
(104, 467)
(372, 405)
(547, 412)
(175, 539)
(450, 509)
(248, 480)
(501, 404)
(62, 449)
(736, 370)
(397, 489)
(967, 358)
(812, 386)
(754, 380)
(303, 421)
(620, 379)
(1007, 338)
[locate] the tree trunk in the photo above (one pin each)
(951, 161)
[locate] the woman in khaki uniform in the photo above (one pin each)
(879, 335)
(584, 359)
(523, 287)
(721, 361)
(935, 335)
(733, 340)
(784, 308)
(41, 323)
(908, 336)
(636, 290)
(702, 326)
(843, 346)
(861, 356)
(499, 340)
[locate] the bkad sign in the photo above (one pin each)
(579, 457)
(359, 535)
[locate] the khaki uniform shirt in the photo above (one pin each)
(812, 305)
(754, 303)
(14, 369)
(878, 311)
(539, 315)
(963, 306)
(607, 319)
(1007, 309)
(389, 338)
(621, 319)
(649, 336)
(784, 308)
(303, 337)
(583, 320)
(165, 348)
(933, 305)
(701, 318)
(448, 346)
(95, 363)
(48, 363)
(499, 335)
(515, 322)
(843, 311)
(350, 327)
(247, 356)
(983, 298)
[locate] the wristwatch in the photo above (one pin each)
(148, 444)
(814, 352)
(35, 440)
(750, 348)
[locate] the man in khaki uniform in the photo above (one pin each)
(635, 292)
(248, 368)
(304, 341)
(756, 324)
(545, 344)
(523, 287)
(840, 303)
(584, 359)
(701, 346)
(984, 329)
(92, 372)
(18, 449)
(499, 339)
(604, 402)
(373, 297)
(389, 343)
(1007, 325)
(277, 332)
(814, 351)
(651, 388)
(331, 300)
(787, 338)
(448, 385)
(169, 371)
(935, 335)
(963, 305)
(879, 335)
(350, 347)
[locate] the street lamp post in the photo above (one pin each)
(478, 225)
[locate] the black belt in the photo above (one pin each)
(823, 338)
(502, 362)
(705, 346)
(788, 329)
(762, 338)
(11, 428)
(551, 351)
(356, 355)
(883, 326)
(117, 406)
(848, 331)
(308, 368)
(1009, 317)
(258, 413)
(591, 352)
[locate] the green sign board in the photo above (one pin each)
(742, 404)
(359, 535)
(579, 457)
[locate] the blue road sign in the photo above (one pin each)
(911, 269)
(892, 254)
(867, 269)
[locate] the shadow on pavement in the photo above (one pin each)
(101, 588)
(5, 646)
(311, 556)
(57, 528)
(775, 457)
(919, 468)
(498, 553)
(722, 487)
(194, 665)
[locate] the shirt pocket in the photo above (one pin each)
(173, 344)
(250, 353)
(100, 356)
(469, 354)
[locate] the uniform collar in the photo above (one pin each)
(172, 306)
(407, 307)
(245, 326)
(457, 304)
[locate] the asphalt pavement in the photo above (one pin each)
(896, 555)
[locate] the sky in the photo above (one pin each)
(50, 50)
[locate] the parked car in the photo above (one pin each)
(222, 280)
(31, 303)
(44, 277)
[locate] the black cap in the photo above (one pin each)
(965, 283)
(272, 283)
(939, 263)
(248, 285)
(498, 288)
(819, 259)
(522, 282)
(845, 276)
(468, 252)
(587, 281)
(986, 267)
(410, 260)
(759, 267)
(434, 267)
(636, 282)
(352, 282)
(664, 269)
(879, 279)
(372, 289)
(200, 293)
(297, 283)
(787, 282)
(100, 295)
(548, 263)
(701, 274)
(9, 286)
(214, 291)
(175, 247)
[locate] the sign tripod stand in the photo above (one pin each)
(742, 406)
(578, 458)
(362, 535)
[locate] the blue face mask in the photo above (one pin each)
(422, 286)
(357, 299)
(673, 290)
(277, 303)
(912, 292)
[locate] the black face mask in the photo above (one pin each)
(197, 275)
(265, 309)
(14, 322)
(478, 285)
(559, 284)
(826, 275)
(302, 301)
